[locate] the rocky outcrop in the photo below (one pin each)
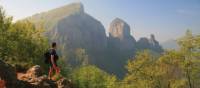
(34, 72)
(64, 83)
(121, 46)
(120, 36)
(119, 29)
(151, 44)
(143, 43)
(33, 78)
(36, 79)
(7, 75)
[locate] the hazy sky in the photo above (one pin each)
(167, 19)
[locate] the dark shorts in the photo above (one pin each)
(51, 65)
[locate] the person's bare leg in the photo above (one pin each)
(57, 70)
(50, 72)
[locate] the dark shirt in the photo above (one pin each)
(53, 52)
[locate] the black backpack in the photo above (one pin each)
(47, 57)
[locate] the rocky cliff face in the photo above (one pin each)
(80, 31)
(121, 46)
(120, 36)
(119, 29)
(151, 44)
(50, 18)
(72, 29)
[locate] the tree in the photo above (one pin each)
(190, 48)
(173, 69)
(170, 70)
(5, 24)
(92, 77)
(21, 43)
(141, 71)
(81, 57)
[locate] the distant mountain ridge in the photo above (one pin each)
(74, 29)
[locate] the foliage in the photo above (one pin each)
(173, 69)
(81, 57)
(21, 43)
(5, 24)
(141, 71)
(92, 77)
(64, 68)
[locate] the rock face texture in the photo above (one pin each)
(34, 72)
(33, 78)
(72, 28)
(120, 36)
(7, 73)
(151, 44)
(119, 29)
(121, 46)
(80, 31)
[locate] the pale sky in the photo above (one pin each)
(167, 19)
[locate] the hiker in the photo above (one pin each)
(53, 60)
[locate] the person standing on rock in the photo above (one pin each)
(53, 60)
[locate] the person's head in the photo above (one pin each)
(53, 45)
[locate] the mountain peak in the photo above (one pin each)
(77, 6)
(152, 37)
(118, 20)
(57, 14)
(119, 28)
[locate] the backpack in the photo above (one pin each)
(47, 57)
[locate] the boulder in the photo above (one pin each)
(7, 74)
(34, 72)
(34, 78)
(64, 83)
